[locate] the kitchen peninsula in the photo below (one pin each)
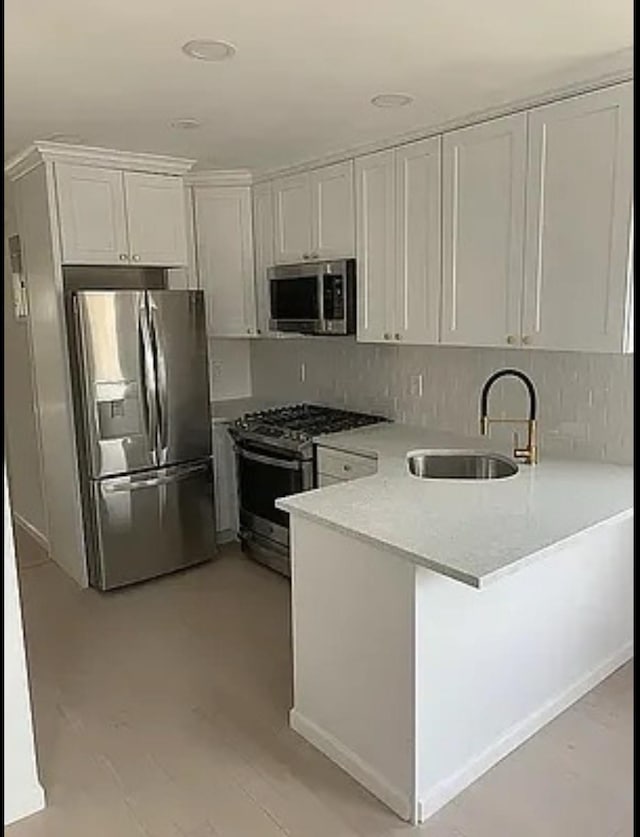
(438, 623)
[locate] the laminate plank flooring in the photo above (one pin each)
(161, 711)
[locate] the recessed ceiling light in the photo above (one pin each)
(209, 50)
(72, 139)
(186, 124)
(391, 100)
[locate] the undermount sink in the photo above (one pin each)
(460, 465)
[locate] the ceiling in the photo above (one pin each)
(299, 87)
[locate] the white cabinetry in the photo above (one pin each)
(579, 206)
(484, 170)
(333, 466)
(225, 259)
(314, 214)
(109, 216)
(225, 485)
(398, 243)
(263, 240)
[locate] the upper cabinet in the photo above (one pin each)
(376, 243)
(91, 210)
(263, 239)
(418, 170)
(108, 216)
(579, 217)
(483, 232)
(156, 218)
(398, 243)
(224, 252)
(314, 214)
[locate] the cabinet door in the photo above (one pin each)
(156, 218)
(419, 279)
(483, 194)
(263, 240)
(332, 211)
(91, 215)
(579, 200)
(375, 245)
(292, 201)
(225, 259)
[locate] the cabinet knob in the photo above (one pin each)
(259, 331)
(387, 336)
(123, 257)
(398, 336)
(135, 257)
(527, 340)
(511, 339)
(249, 331)
(346, 467)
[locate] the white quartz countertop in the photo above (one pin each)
(472, 530)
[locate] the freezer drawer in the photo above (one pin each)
(151, 523)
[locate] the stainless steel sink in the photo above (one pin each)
(460, 465)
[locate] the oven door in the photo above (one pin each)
(263, 476)
(296, 298)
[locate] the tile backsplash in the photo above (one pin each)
(585, 401)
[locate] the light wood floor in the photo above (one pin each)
(161, 711)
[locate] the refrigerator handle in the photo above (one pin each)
(148, 379)
(161, 378)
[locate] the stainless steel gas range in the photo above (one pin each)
(275, 457)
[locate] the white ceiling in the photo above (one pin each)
(299, 87)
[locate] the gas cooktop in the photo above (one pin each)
(297, 424)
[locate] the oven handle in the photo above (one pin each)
(290, 465)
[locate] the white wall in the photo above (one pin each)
(23, 794)
(21, 430)
(229, 368)
(585, 400)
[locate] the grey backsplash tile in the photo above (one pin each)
(585, 400)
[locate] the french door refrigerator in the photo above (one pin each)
(141, 399)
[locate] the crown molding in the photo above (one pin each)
(515, 106)
(230, 177)
(85, 155)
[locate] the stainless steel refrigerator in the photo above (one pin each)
(141, 403)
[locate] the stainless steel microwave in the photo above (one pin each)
(314, 297)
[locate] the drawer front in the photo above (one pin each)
(343, 465)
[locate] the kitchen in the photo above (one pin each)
(390, 231)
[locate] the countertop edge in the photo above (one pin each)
(414, 557)
(477, 582)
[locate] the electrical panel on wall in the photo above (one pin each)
(20, 308)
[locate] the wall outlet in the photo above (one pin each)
(303, 372)
(415, 385)
(217, 368)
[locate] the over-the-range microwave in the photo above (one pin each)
(313, 297)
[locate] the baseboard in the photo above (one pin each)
(31, 529)
(447, 789)
(350, 762)
(30, 804)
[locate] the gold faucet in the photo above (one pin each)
(528, 454)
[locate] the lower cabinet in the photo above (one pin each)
(333, 466)
(225, 484)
